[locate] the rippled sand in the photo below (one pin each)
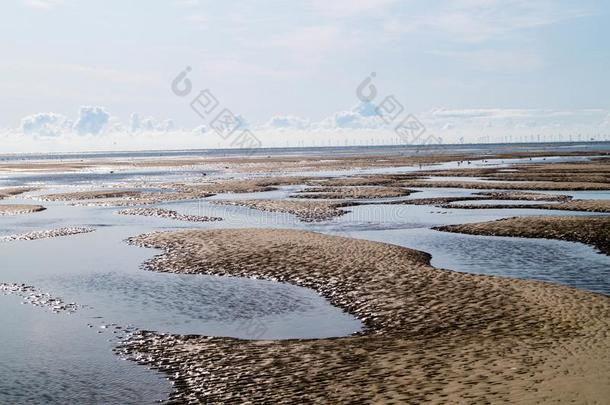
(431, 335)
(590, 230)
(307, 211)
(579, 205)
(351, 192)
(45, 234)
(165, 213)
(90, 195)
(14, 209)
(491, 185)
(13, 191)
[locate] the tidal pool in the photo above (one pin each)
(68, 358)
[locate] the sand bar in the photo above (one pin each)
(170, 214)
(343, 193)
(593, 231)
(431, 335)
(14, 209)
(306, 211)
(51, 233)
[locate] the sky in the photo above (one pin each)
(85, 75)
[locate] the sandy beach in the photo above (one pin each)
(431, 335)
(306, 202)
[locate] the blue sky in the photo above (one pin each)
(462, 66)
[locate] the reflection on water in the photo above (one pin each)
(208, 305)
(568, 263)
(48, 358)
(53, 359)
(102, 177)
(75, 364)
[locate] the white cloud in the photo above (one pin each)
(166, 125)
(91, 120)
(201, 129)
(134, 122)
(45, 124)
(149, 124)
(363, 116)
(351, 120)
(366, 109)
(287, 122)
(97, 130)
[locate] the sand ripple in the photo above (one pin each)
(431, 335)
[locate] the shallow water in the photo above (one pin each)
(499, 202)
(67, 358)
(101, 271)
(561, 262)
(54, 359)
(101, 177)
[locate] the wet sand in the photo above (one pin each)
(51, 233)
(306, 211)
(431, 335)
(526, 196)
(13, 191)
(342, 193)
(593, 231)
(445, 202)
(601, 206)
(33, 296)
(14, 209)
(170, 214)
(596, 170)
(533, 185)
(277, 163)
(89, 195)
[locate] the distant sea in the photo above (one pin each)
(406, 150)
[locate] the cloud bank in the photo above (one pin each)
(94, 128)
